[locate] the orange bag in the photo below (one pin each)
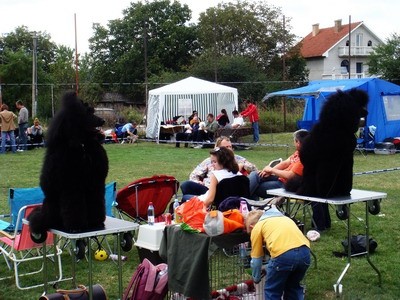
(192, 212)
(233, 220)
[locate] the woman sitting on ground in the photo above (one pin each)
(35, 133)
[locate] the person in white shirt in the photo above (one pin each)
(237, 120)
(225, 166)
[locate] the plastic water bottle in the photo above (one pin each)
(175, 206)
(150, 214)
(243, 251)
(243, 246)
(115, 257)
(243, 208)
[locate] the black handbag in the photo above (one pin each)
(81, 293)
(358, 244)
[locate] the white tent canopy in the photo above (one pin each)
(184, 96)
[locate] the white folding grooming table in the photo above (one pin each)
(112, 226)
(356, 196)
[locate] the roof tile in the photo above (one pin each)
(315, 46)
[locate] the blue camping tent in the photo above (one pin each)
(383, 107)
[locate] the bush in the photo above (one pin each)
(132, 114)
(272, 119)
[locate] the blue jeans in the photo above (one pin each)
(4, 135)
(256, 131)
(284, 274)
(23, 138)
(259, 186)
(190, 188)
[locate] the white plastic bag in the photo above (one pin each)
(214, 223)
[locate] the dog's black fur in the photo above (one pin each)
(74, 171)
(327, 153)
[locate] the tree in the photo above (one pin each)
(385, 61)
(253, 30)
(156, 32)
(236, 71)
(16, 51)
(257, 32)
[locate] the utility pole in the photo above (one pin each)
(349, 46)
(284, 68)
(34, 75)
(76, 60)
(215, 47)
(146, 83)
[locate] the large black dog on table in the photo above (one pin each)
(74, 171)
(327, 153)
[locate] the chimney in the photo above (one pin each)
(338, 25)
(315, 29)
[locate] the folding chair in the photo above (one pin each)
(127, 237)
(133, 200)
(238, 186)
(17, 198)
(19, 250)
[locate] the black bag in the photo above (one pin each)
(358, 244)
(81, 293)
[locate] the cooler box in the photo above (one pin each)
(148, 242)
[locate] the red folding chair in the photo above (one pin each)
(133, 200)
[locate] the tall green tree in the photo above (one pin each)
(16, 54)
(257, 32)
(385, 61)
(252, 29)
(155, 32)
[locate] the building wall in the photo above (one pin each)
(329, 67)
(316, 68)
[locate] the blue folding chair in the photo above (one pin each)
(17, 198)
(111, 196)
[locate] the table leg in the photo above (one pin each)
(119, 266)
(367, 243)
(45, 267)
(73, 255)
(90, 268)
(338, 286)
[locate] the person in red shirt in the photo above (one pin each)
(252, 113)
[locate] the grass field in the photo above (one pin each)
(130, 162)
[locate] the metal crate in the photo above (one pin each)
(230, 276)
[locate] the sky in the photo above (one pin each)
(57, 18)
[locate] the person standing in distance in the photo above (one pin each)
(23, 117)
(251, 112)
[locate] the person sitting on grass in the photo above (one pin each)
(35, 133)
(129, 131)
(289, 252)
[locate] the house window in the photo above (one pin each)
(347, 43)
(369, 43)
(344, 67)
(359, 39)
(359, 67)
(392, 107)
